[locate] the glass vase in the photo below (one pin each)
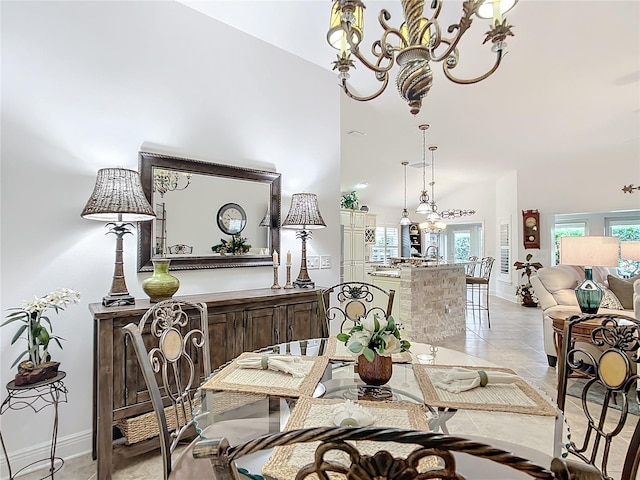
(378, 372)
(588, 293)
(161, 285)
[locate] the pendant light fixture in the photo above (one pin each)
(424, 207)
(434, 219)
(405, 220)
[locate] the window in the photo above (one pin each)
(386, 244)
(627, 229)
(462, 245)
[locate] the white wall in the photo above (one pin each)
(84, 86)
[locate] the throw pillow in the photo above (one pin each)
(609, 299)
(623, 289)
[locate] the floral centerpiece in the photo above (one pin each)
(36, 328)
(374, 334)
(373, 339)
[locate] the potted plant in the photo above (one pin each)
(33, 329)
(349, 200)
(236, 246)
(525, 291)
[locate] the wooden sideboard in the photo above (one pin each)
(238, 321)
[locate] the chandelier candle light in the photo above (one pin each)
(118, 198)
(418, 41)
(304, 216)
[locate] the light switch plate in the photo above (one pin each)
(325, 261)
(313, 262)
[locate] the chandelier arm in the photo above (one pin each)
(452, 42)
(385, 80)
(387, 51)
(446, 68)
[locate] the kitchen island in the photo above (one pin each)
(429, 301)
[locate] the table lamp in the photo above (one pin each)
(118, 198)
(589, 252)
(304, 215)
(630, 250)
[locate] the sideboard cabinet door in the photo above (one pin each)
(261, 328)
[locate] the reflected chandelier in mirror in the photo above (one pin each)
(192, 199)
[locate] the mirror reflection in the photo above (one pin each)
(208, 215)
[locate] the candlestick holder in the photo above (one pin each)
(288, 284)
(275, 285)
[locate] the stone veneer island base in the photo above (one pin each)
(430, 300)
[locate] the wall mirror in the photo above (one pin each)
(200, 204)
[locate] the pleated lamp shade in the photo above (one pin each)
(118, 197)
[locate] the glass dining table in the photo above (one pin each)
(531, 427)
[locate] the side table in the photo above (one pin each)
(37, 396)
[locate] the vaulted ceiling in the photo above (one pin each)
(568, 89)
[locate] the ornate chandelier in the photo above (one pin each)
(168, 181)
(418, 41)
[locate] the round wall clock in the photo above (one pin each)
(231, 218)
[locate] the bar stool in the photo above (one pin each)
(479, 287)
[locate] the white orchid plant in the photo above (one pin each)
(34, 323)
(373, 334)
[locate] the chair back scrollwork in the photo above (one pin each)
(354, 300)
(607, 363)
(172, 368)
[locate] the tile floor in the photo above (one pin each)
(514, 340)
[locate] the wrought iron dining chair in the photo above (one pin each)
(607, 377)
(179, 334)
(478, 286)
(383, 465)
(355, 299)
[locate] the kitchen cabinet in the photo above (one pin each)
(358, 231)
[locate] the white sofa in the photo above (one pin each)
(554, 287)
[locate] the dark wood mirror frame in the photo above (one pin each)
(146, 163)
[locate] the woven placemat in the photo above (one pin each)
(518, 397)
(285, 461)
(338, 351)
(236, 379)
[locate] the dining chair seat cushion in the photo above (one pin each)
(476, 281)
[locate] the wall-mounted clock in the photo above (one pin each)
(231, 218)
(531, 228)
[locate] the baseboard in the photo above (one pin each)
(510, 298)
(67, 447)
